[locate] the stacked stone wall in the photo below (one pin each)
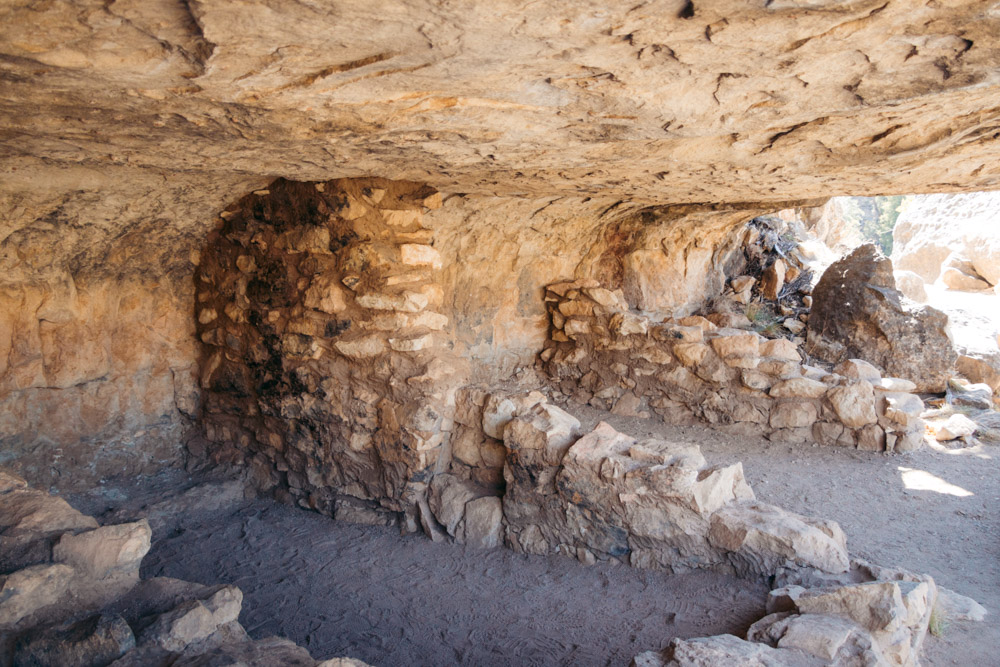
(324, 362)
(690, 369)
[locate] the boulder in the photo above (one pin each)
(854, 403)
(107, 551)
(896, 613)
(933, 227)
(831, 638)
(194, 620)
(28, 591)
(954, 427)
(911, 285)
(98, 640)
(955, 279)
(859, 314)
(721, 650)
(765, 537)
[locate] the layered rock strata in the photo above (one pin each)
(689, 369)
(70, 594)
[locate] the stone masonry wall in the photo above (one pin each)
(690, 369)
(324, 363)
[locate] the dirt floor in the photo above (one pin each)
(369, 593)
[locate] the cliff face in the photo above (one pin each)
(673, 101)
(569, 140)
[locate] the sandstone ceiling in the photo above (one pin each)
(664, 101)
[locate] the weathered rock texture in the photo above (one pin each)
(933, 227)
(858, 313)
(689, 369)
(99, 377)
(130, 125)
(70, 595)
(98, 361)
(671, 101)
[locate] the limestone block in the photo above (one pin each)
(690, 354)
(325, 294)
(606, 297)
(194, 620)
(412, 344)
(779, 368)
(793, 414)
(499, 409)
(106, 551)
(954, 427)
(697, 321)
(858, 369)
(407, 302)
(959, 607)
(413, 254)
(629, 324)
(207, 315)
(576, 327)
(361, 348)
(483, 526)
(780, 348)
(895, 385)
(871, 438)
(447, 499)
(25, 511)
(767, 536)
(904, 409)
(911, 285)
(754, 379)
(854, 403)
(429, 319)
(541, 434)
(576, 307)
(727, 320)
(716, 651)
(956, 279)
(896, 613)
(32, 589)
(798, 387)
(683, 334)
(831, 638)
(794, 325)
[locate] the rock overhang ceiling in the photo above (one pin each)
(659, 102)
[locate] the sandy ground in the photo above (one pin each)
(342, 589)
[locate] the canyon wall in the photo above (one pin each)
(615, 143)
(97, 351)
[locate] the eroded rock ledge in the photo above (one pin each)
(70, 594)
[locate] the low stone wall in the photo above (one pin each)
(690, 369)
(604, 496)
